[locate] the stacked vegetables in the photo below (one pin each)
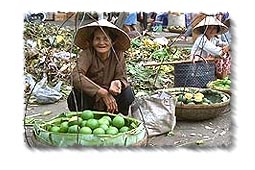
(221, 84)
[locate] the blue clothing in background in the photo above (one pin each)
(188, 19)
(226, 37)
(163, 18)
(131, 19)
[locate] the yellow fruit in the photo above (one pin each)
(75, 120)
(188, 96)
(59, 38)
(148, 42)
(198, 99)
(198, 95)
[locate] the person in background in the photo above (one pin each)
(99, 78)
(225, 19)
(146, 20)
(188, 24)
(162, 17)
(208, 45)
(142, 17)
(129, 25)
(226, 37)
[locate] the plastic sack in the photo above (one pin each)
(161, 41)
(42, 92)
(156, 111)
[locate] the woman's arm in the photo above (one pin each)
(80, 80)
(210, 47)
(121, 70)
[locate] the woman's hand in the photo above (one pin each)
(226, 49)
(115, 87)
(109, 100)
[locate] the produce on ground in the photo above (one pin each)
(89, 122)
(49, 51)
(196, 97)
(221, 84)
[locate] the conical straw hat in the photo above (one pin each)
(122, 41)
(211, 20)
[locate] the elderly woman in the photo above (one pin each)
(99, 77)
(207, 44)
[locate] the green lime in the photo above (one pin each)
(181, 98)
(73, 129)
(83, 123)
(112, 130)
(85, 130)
(227, 87)
(87, 114)
(124, 129)
(92, 123)
(63, 127)
(107, 117)
(103, 121)
(54, 129)
(98, 131)
(104, 126)
(118, 121)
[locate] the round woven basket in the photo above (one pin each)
(134, 137)
(197, 112)
(177, 30)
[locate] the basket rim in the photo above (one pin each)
(201, 106)
(209, 85)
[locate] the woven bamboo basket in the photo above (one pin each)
(134, 137)
(179, 31)
(197, 112)
(189, 74)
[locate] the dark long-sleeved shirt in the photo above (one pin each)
(91, 73)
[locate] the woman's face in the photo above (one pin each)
(101, 42)
(212, 30)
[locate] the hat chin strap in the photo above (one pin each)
(113, 43)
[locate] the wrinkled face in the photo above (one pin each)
(101, 42)
(212, 30)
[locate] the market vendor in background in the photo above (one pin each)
(99, 78)
(208, 45)
(130, 25)
(225, 19)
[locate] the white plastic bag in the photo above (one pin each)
(42, 92)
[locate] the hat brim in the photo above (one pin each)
(210, 20)
(83, 35)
